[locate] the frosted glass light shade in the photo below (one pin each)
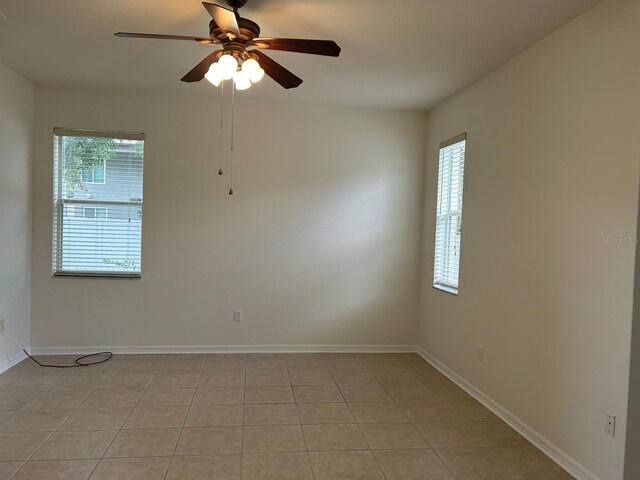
(214, 75)
(228, 66)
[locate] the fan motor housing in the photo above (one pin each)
(248, 30)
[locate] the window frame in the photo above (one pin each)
(57, 244)
(93, 174)
(436, 283)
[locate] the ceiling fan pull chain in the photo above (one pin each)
(233, 105)
(220, 172)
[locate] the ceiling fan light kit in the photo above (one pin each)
(240, 58)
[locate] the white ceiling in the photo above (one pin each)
(395, 54)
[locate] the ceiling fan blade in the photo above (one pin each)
(314, 47)
(276, 71)
(164, 37)
(224, 18)
(197, 73)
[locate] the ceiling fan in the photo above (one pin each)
(241, 58)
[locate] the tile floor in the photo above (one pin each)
(254, 416)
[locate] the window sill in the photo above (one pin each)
(96, 275)
(444, 288)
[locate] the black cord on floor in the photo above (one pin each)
(77, 362)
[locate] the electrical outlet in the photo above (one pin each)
(1, 325)
(610, 424)
(480, 353)
(237, 315)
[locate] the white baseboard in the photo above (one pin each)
(549, 449)
(10, 362)
(225, 349)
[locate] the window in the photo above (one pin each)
(94, 212)
(97, 198)
(449, 214)
(94, 173)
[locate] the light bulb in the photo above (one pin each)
(250, 65)
(214, 75)
(256, 75)
(241, 80)
(228, 66)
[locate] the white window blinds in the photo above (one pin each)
(449, 214)
(97, 203)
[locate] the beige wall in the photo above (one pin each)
(551, 169)
(318, 246)
(16, 127)
(632, 459)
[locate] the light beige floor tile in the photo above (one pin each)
(186, 358)
(210, 440)
(358, 465)
(311, 377)
(305, 364)
(412, 465)
(396, 378)
(43, 420)
(498, 434)
(218, 396)
(24, 383)
(76, 382)
(214, 416)
(267, 378)
(222, 379)
(433, 378)
(385, 412)
(364, 393)
(472, 412)
(180, 367)
(451, 393)
(148, 468)
(211, 467)
(450, 434)
(97, 418)
(266, 364)
(273, 439)
(144, 443)
(75, 445)
(4, 414)
(218, 367)
(8, 468)
(334, 437)
(175, 380)
(113, 398)
(354, 378)
(20, 446)
(56, 470)
(167, 396)
(430, 411)
(127, 381)
(13, 400)
(477, 464)
(137, 367)
(317, 394)
(276, 466)
(56, 400)
(532, 464)
(319, 413)
(268, 395)
(271, 414)
(337, 365)
(156, 417)
(386, 436)
(412, 393)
